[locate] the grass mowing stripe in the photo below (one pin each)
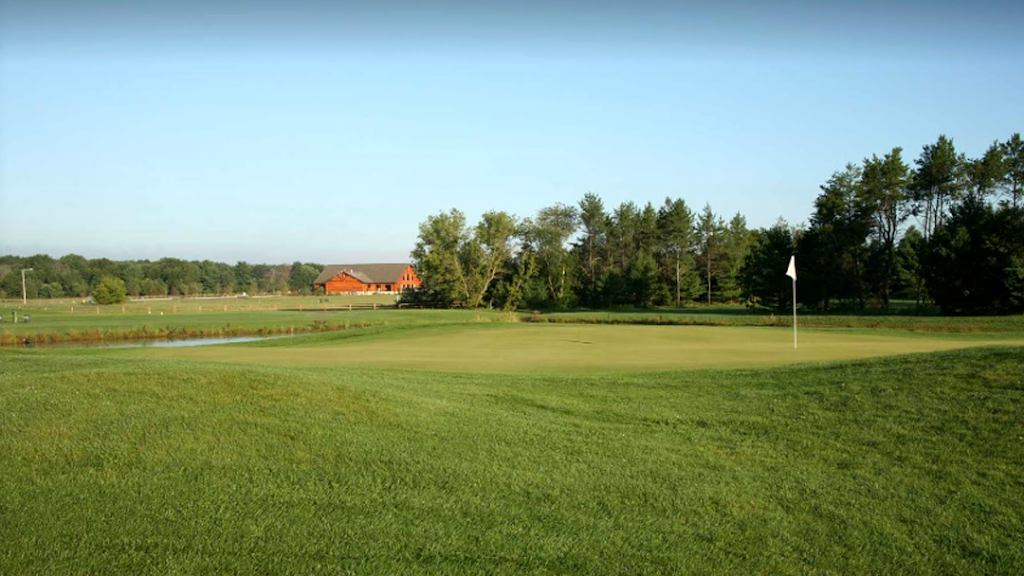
(909, 465)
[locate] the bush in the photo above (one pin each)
(110, 290)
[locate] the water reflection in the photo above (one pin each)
(182, 343)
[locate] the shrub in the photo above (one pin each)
(110, 290)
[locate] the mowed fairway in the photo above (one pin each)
(546, 348)
(518, 449)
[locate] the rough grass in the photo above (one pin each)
(738, 316)
(54, 323)
(134, 465)
(110, 325)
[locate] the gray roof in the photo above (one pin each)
(368, 273)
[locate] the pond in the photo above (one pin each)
(176, 343)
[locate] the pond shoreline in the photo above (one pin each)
(166, 343)
(145, 334)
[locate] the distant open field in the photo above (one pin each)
(57, 321)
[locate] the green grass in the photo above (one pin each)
(53, 322)
(176, 303)
(111, 325)
(738, 316)
(549, 348)
(131, 462)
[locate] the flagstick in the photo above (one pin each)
(794, 313)
(791, 272)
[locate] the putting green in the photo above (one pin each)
(532, 348)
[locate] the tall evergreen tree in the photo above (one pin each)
(245, 279)
(983, 176)
(643, 276)
(1013, 169)
(676, 246)
(591, 247)
(736, 244)
(647, 236)
(623, 236)
(834, 249)
(764, 283)
(973, 264)
(710, 234)
(883, 188)
(909, 269)
(935, 183)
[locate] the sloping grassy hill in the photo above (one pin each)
(131, 463)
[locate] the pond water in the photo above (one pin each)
(177, 343)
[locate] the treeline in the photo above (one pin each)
(582, 256)
(76, 276)
(947, 230)
(963, 251)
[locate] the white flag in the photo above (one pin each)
(791, 272)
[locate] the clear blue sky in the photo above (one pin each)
(327, 131)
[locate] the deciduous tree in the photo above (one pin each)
(488, 253)
(547, 236)
(110, 290)
(438, 258)
(301, 277)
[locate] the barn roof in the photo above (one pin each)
(366, 273)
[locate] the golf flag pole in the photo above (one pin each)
(791, 272)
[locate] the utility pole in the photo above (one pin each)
(24, 297)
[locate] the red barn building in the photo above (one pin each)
(362, 278)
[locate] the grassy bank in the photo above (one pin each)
(109, 324)
(143, 465)
(737, 316)
(55, 322)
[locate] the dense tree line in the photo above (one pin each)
(583, 255)
(75, 276)
(948, 230)
(945, 229)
